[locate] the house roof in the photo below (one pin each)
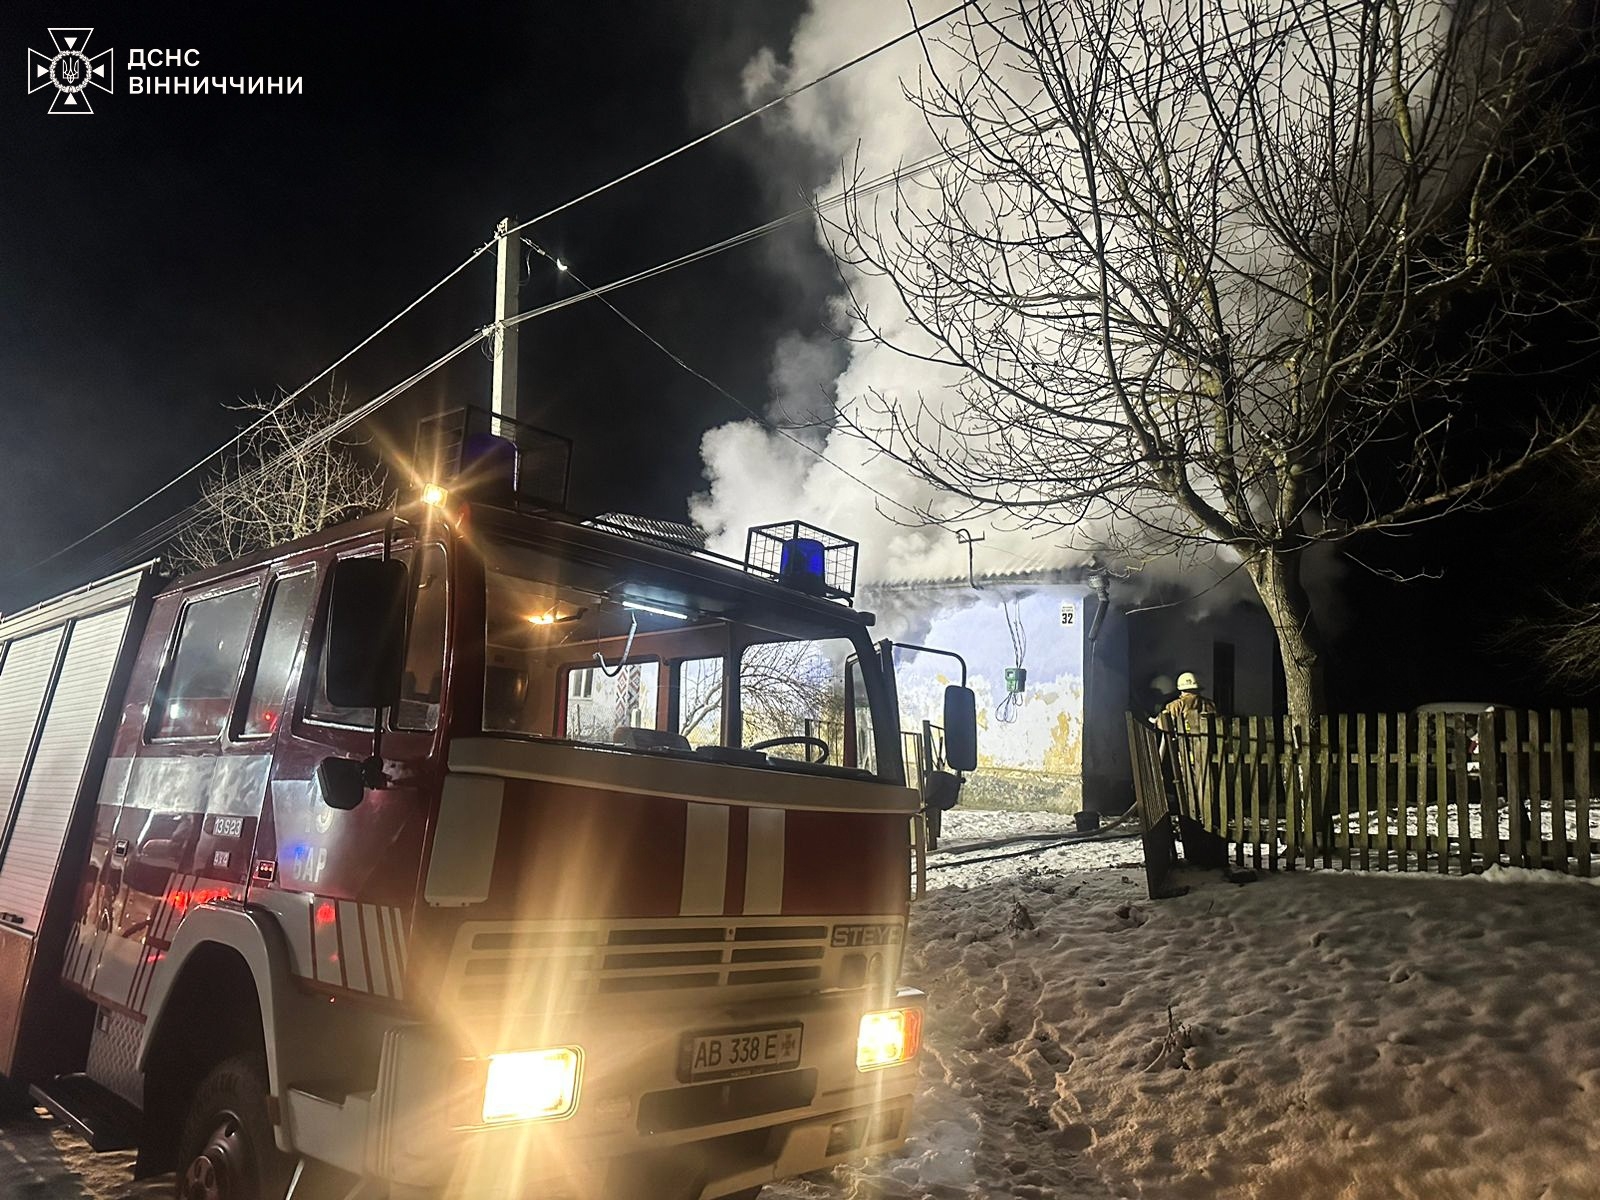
(1020, 575)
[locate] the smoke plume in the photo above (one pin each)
(863, 125)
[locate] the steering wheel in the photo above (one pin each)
(799, 740)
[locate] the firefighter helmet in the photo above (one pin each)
(1188, 683)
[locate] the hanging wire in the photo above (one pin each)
(1008, 707)
(291, 397)
(627, 649)
(783, 98)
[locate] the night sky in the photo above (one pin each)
(172, 253)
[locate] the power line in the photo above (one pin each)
(755, 232)
(253, 426)
(162, 532)
(478, 253)
(155, 537)
(784, 98)
(760, 418)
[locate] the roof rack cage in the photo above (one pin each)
(474, 449)
(803, 557)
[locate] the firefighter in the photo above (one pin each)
(1196, 828)
(1191, 702)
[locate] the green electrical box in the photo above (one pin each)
(1016, 680)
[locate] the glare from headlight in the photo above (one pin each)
(531, 1085)
(888, 1037)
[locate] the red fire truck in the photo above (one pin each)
(465, 849)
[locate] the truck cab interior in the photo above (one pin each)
(605, 658)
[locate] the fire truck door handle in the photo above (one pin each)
(120, 850)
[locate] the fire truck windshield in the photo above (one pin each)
(622, 659)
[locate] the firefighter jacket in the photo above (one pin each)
(1182, 714)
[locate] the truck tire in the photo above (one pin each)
(226, 1151)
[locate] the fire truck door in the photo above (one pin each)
(348, 877)
(184, 797)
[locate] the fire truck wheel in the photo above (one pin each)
(226, 1151)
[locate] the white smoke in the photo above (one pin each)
(804, 371)
(755, 475)
(864, 122)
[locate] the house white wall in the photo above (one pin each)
(1030, 751)
(1063, 745)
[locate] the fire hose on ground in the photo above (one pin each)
(957, 855)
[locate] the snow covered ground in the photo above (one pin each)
(1330, 1036)
(953, 866)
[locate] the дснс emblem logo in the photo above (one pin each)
(70, 70)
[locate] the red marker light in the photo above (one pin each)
(325, 913)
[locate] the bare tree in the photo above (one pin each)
(284, 480)
(782, 685)
(1564, 637)
(1215, 276)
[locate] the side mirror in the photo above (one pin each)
(342, 781)
(366, 632)
(960, 728)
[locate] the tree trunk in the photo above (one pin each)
(1277, 580)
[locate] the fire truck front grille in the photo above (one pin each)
(495, 964)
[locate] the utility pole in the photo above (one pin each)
(508, 277)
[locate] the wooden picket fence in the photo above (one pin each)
(1383, 791)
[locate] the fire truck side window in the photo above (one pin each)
(422, 682)
(204, 670)
(601, 705)
(866, 753)
(286, 618)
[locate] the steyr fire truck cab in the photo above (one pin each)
(468, 849)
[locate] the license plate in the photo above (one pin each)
(738, 1052)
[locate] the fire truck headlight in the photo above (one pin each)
(532, 1085)
(434, 494)
(888, 1037)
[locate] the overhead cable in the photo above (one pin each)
(478, 253)
(782, 98)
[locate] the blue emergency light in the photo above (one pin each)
(804, 558)
(487, 456)
(489, 464)
(803, 565)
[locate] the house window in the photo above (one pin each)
(204, 671)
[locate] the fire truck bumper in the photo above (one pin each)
(645, 1121)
